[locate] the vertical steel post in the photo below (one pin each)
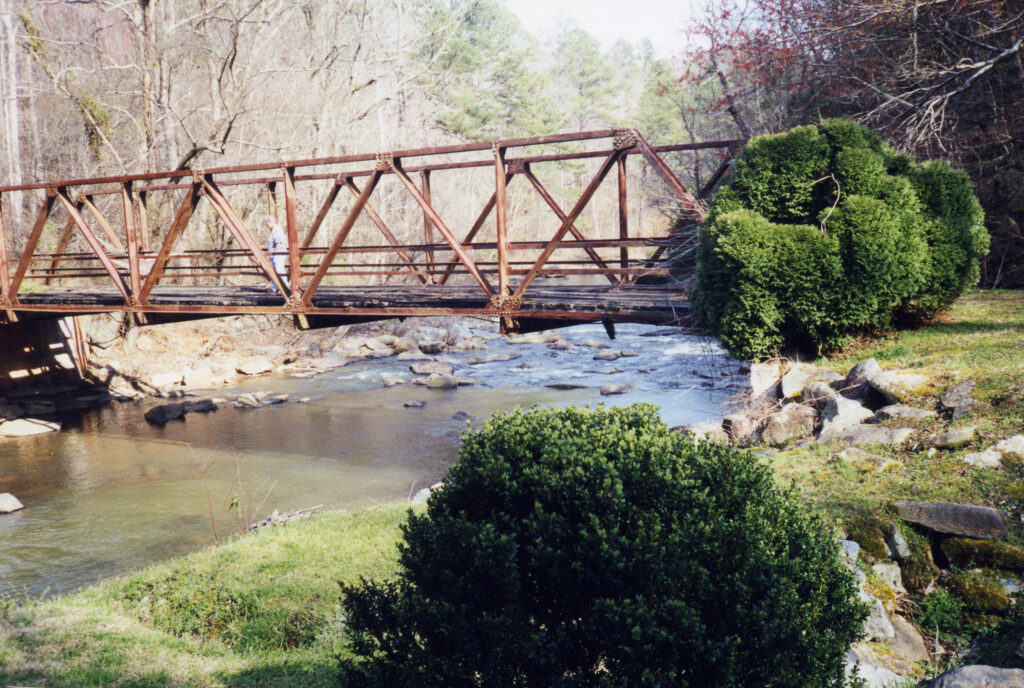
(292, 220)
(501, 218)
(140, 202)
(128, 205)
(623, 215)
(5, 275)
(428, 226)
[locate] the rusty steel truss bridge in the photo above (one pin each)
(92, 247)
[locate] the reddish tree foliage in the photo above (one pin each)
(938, 78)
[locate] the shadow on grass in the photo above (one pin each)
(301, 674)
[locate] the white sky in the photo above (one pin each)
(609, 20)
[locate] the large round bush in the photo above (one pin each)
(581, 547)
(823, 232)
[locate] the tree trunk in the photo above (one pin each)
(12, 124)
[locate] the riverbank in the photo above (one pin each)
(911, 444)
(164, 626)
(261, 610)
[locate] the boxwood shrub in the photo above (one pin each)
(823, 232)
(578, 547)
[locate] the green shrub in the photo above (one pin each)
(891, 235)
(579, 547)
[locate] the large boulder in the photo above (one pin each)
(739, 426)
(860, 662)
(406, 343)
(979, 676)
(877, 626)
(792, 422)
(840, 413)
(952, 439)
(9, 503)
(899, 548)
(255, 366)
(900, 411)
(24, 427)
(163, 414)
(817, 394)
(859, 435)
(967, 520)
(199, 377)
(163, 380)
(907, 642)
(895, 386)
(989, 458)
(1011, 446)
(859, 376)
(764, 380)
(796, 378)
(958, 399)
(707, 430)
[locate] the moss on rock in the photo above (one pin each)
(997, 555)
(869, 533)
(919, 569)
(980, 593)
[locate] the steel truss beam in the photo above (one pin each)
(122, 255)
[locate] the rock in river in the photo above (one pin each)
(436, 381)
(22, 427)
(431, 368)
(163, 414)
(9, 503)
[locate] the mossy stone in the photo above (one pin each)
(980, 593)
(919, 569)
(869, 532)
(997, 555)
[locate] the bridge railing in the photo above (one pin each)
(96, 234)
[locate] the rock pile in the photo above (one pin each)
(788, 402)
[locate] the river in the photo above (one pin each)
(112, 493)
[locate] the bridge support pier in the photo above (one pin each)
(41, 354)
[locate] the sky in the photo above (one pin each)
(609, 20)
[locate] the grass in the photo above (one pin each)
(262, 610)
(977, 339)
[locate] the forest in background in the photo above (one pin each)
(110, 86)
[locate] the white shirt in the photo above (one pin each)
(278, 241)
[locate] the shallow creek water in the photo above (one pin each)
(112, 493)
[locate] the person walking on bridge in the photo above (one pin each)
(277, 247)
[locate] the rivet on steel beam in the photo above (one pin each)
(385, 162)
(51, 189)
(516, 166)
(197, 176)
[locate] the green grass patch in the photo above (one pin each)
(978, 339)
(262, 610)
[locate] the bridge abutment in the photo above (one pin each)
(40, 354)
